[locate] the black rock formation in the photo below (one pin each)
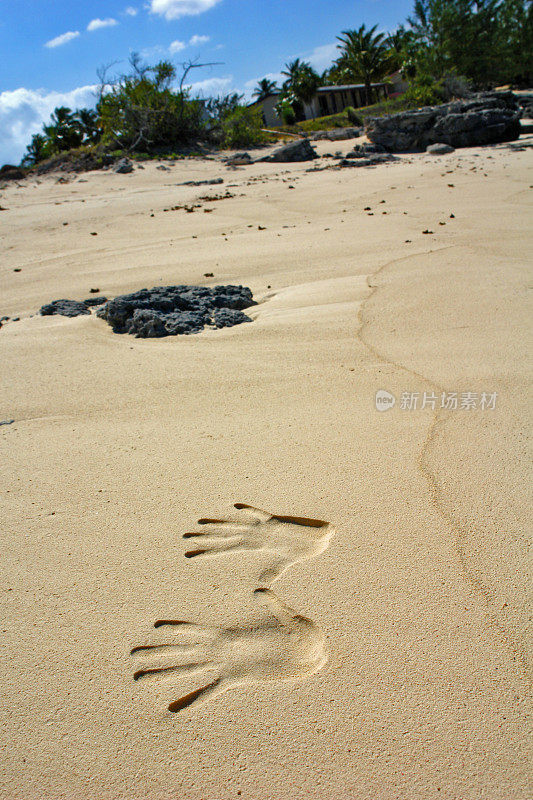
(173, 310)
(365, 150)
(337, 134)
(239, 160)
(484, 119)
(300, 150)
(67, 308)
(123, 166)
(71, 308)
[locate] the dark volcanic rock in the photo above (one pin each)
(239, 160)
(484, 119)
(294, 151)
(364, 150)
(67, 308)
(123, 166)
(173, 310)
(439, 149)
(226, 317)
(212, 182)
(367, 161)
(337, 134)
(95, 301)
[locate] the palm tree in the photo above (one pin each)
(63, 132)
(401, 43)
(36, 151)
(292, 68)
(302, 82)
(87, 120)
(264, 88)
(364, 56)
(305, 83)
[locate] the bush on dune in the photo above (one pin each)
(243, 128)
(141, 111)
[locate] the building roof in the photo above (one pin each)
(333, 88)
(346, 87)
(262, 100)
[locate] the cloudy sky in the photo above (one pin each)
(51, 50)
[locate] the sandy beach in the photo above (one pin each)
(417, 596)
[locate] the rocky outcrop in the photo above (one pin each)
(239, 160)
(365, 150)
(212, 182)
(71, 308)
(366, 155)
(371, 161)
(123, 166)
(439, 149)
(337, 134)
(173, 310)
(484, 119)
(300, 150)
(66, 308)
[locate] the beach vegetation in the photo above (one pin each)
(142, 109)
(299, 88)
(218, 108)
(365, 56)
(353, 116)
(264, 89)
(243, 127)
(487, 41)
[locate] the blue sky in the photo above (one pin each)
(51, 50)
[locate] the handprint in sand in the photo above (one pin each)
(284, 646)
(288, 539)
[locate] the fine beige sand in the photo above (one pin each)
(389, 660)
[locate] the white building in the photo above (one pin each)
(334, 99)
(327, 100)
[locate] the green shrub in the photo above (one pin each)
(285, 109)
(142, 112)
(353, 116)
(288, 115)
(456, 86)
(242, 128)
(425, 91)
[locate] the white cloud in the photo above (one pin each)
(96, 24)
(322, 57)
(176, 46)
(196, 40)
(131, 12)
(174, 9)
(153, 52)
(211, 86)
(63, 39)
(23, 112)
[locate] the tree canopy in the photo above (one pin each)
(365, 56)
(264, 89)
